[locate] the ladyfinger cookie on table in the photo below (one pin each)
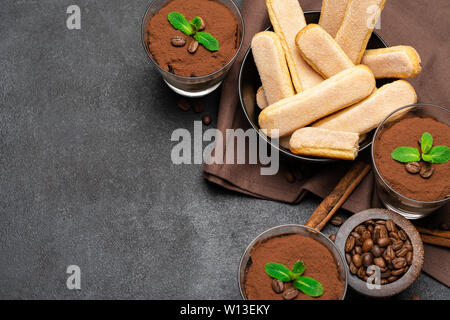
(332, 14)
(368, 114)
(340, 91)
(287, 20)
(261, 99)
(393, 62)
(357, 27)
(325, 143)
(321, 51)
(272, 68)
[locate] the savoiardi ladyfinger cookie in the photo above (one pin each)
(261, 100)
(321, 51)
(325, 143)
(340, 91)
(270, 61)
(332, 15)
(357, 27)
(393, 62)
(287, 20)
(368, 114)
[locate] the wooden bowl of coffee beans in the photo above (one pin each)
(383, 250)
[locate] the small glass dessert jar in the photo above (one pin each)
(196, 86)
(389, 196)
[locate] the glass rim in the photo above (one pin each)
(284, 226)
(378, 173)
(241, 42)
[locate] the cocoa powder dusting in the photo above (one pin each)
(406, 133)
(220, 22)
(287, 250)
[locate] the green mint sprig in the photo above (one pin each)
(307, 285)
(434, 155)
(179, 22)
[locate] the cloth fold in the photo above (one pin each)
(403, 22)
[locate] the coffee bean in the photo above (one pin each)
(384, 269)
(379, 262)
(413, 167)
(394, 235)
(355, 235)
(337, 221)
(367, 259)
(390, 225)
(349, 244)
(402, 235)
(408, 245)
(427, 170)
(184, 104)
(392, 279)
(377, 251)
(380, 222)
(366, 235)
(203, 24)
(376, 234)
(361, 273)
(399, 263)
(383, 242)
(370, 228)
(402, 252)
(178, 41)
(333, 237)
(193, 46)
(383, 232)
(348, 257)
(358, 250)
(353, 269)
(360, 229)
(198, 106)
(409, 258)
(369, 222)
(384, 281)
(397, 245)
(398, 272)
(277, 286)
(386, 274)
(206, 120)
(357, 261)
(290, 294)
(367, 245)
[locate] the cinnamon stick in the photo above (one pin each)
(329, 206)
(434, 232)
(437, 241)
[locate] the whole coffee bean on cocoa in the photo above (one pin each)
(290, 294)
(357, 260)
(413, 167)
(349, 244)
(178, 41)
(277, 286)
(337, 221)
(193, 46)
(333, 237)
(426, 171)
(367, 245)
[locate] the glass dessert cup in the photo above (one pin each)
(193, 87)
(293, 229)
(391, 199)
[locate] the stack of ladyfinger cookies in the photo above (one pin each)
(319, 93)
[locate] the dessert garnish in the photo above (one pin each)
(420, 162)
(193, 28)
(281, 273)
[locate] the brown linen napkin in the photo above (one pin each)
(403, 22)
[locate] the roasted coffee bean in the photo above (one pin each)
(379, 262)
(390, 252)
(426, 171)
(402, 252)
(357, 260)
(386, 274)
(193, 46)
(355, 235)
(383, 242)
(390, 266)
(366, 235)
(392, 279)
(184, 104)
(408, 245)
(397, 245)
(290, 294)
(382, 222)
(376, 251)
(370, 229)
(398, 272)
(367, 245)
(367, 259)
(348, 257)
(353, 269)
(198, 106)
(206, 120)
(376, 234)
(178, 41)
(337, 221)
(358, 250)
(277, 286)
(360, 229)
(402, 235)
(369, 222)
(394, 235)
(333, 237)
(384, 281)
(413, 167)
(384, 269)
(409, 258)
(349, 244)
(390, 225)
(383, 232)
(361, 272)
(399, 263)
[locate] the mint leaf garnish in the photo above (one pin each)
(309, 286)
(179, 22)
(437, 155)
(426, 142)
(278, 271)
(298, 269)
(406, 154)
(207, 40)
(197, 23)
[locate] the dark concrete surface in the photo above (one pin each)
(86, 176)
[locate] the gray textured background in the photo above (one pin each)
(85, 170)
